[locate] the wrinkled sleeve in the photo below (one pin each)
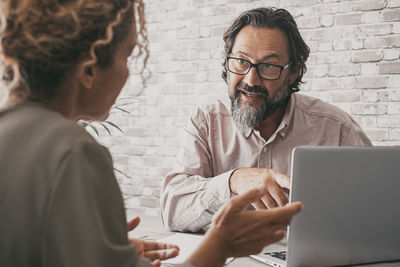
(191, 194)
(354, 136)
(84, 222)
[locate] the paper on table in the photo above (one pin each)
(187, 244)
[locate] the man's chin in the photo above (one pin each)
(250, 105)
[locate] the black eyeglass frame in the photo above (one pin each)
(256, 66)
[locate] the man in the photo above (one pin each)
(226, 152)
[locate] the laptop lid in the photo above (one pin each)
(351, 198)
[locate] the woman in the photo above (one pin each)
(60, 205)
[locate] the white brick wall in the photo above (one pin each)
(354, 64)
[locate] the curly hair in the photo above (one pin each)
(271, 18)
(41, 40)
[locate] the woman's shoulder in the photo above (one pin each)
(39, 127)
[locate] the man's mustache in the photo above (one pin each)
(251, 89)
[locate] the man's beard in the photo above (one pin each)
(247, 116)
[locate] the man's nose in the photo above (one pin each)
(252, 78)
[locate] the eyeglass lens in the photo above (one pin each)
(241, 66)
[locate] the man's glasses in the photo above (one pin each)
(266, 71)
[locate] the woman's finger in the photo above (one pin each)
(156, 263)
(284, 214)
(132, 224)
(162, 254)
(152, 245)
(240, 202)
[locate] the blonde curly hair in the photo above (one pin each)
(41, 40)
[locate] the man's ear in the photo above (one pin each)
(295, 73)
(86, 74)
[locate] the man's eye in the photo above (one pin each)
(267, 66)
(242, 61)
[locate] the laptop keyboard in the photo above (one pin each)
(278, 254)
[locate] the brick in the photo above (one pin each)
(386, 143)
(366, 56)
(389, 67)
(132, 190)
(368, 122)
(325, 46)
(326, 20)
(308, 22)
(321, 34)
(216, 10)
(391, 54)
(393, 108)
(319, 71)
(393, 81)
(348, 19)
(388, 121)
(345, 96)
(393, 3)
(190, 33)
(348, 44)
(378, 134)
(218, 31)
(369, 5)
(325, 84)
(332, 57)
(186, 14)
(303, 3)
(348, 82)
(376, 29)
(373, 42)
(394, 134)
(149, 202)
(345, 107)
(370, 96)
(371, 82)
(368, 108)
(391, 15)
(333, 7)
(391, 41)
(371, 17)
(368, 69)
(339, 70)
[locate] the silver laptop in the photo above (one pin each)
(352, 208)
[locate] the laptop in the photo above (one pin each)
(351, 197)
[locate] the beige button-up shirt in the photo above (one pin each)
(212, 148)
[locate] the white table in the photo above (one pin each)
(151, 228)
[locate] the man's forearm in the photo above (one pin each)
(189, 202)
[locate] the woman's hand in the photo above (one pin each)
(237, 232)
(152, 250)
(246, 232)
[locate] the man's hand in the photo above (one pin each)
(278, 184)
(152, 250)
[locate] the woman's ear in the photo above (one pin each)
(86, 74)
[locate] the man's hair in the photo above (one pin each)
(271, 18)
(41, 40)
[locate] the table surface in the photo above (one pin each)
(151, 228)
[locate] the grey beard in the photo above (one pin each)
(247, 117)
